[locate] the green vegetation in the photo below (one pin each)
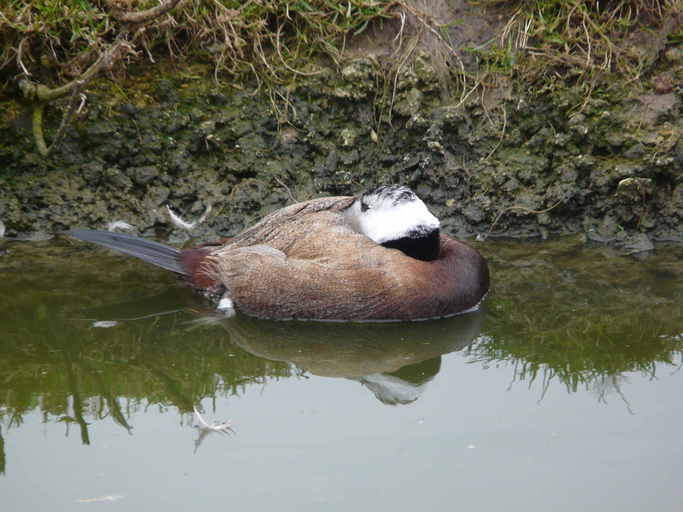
(55, 47)
(60, 39)
(75, 40)
(276, 40)
(584, 43)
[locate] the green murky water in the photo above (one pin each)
(563, 394)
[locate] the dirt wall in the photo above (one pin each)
(500, 163)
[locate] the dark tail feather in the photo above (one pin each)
(152, 252)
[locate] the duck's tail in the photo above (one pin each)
(152, 252)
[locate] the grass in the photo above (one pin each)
(579, 42)
(575, 40)
(57, 39)
(596, 48)
(53, 48)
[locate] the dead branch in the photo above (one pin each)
(523, 209)
(36, 92)
(145, 16)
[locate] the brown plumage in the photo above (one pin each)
(308, 261)
(305, 261)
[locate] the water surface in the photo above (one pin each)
(563, 393)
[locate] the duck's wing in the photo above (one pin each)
(275, 229)
(263, 281)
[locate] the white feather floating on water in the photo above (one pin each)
(224, 427)
(105, 324)
(121, 225)
(112, 497)
(205, 429)
(178, 221)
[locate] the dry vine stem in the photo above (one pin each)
(522, 208)
(40, 95)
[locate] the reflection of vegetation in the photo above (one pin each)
(71, 372)
(583, 317)
(2, 453)
(557, 312)
(52, 360)
(580, 350)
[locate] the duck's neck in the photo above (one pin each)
(422, 246)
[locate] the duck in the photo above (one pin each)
(376, 256)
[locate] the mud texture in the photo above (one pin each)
(500, 163)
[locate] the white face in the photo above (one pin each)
(391, 213)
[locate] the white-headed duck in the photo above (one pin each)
(378, 256)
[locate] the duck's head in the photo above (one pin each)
(393, 216)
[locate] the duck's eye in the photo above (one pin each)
(364, 206)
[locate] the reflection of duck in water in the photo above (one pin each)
(403, 386)
(394, 361)
(379, 256)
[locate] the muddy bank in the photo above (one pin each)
(500, 164)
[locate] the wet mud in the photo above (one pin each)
(503, 164)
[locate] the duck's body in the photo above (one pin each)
(317, 260)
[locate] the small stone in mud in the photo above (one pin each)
(673, 55)
(129, 109)
(165, 90)
(543, 219)
(145, 174)
(350, 157)
(288, 135)
(663, 83)
(117, 178)
(635, 152)
(606, 231)
(638, 242)
(216, 98)
(473, 213)
(348, 137)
